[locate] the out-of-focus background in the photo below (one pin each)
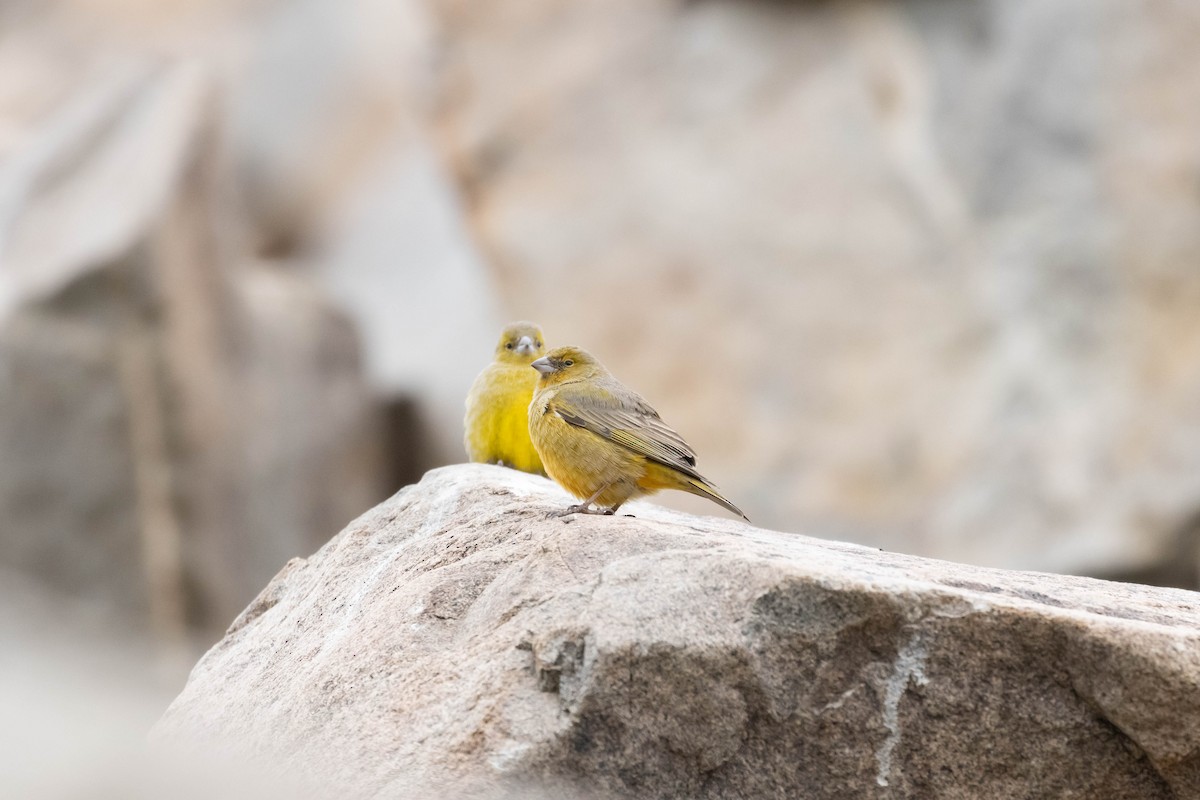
(919, 274)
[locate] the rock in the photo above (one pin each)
(175, 418)
(938, 255)
(400, 261)
(457, 637)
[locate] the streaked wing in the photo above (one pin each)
(628, 420)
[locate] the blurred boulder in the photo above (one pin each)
(921, 273)
(460, 641)
(175, 420)
(329, 119)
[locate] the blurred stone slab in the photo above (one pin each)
(924, 271)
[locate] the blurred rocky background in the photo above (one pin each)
(919, 274)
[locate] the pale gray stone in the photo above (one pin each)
(458, 637)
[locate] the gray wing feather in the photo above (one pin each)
(625, 418)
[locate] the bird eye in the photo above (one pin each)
(568, 363)
(508, 346)
(537, 344)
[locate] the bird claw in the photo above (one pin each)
(579, 508)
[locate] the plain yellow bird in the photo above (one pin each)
(497, 421)
(602, 442)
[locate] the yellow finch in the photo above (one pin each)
(497, 421)
(602, 442)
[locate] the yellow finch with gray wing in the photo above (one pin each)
(602, 442)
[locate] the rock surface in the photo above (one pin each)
(456, 637)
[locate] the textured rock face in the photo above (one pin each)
(456, 637)
(939, 255)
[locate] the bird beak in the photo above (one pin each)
(525, 345)
(542, 365)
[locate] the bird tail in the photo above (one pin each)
(702, 488)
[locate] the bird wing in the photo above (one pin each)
(623, 417)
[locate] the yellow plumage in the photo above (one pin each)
(496, 426)
(602, 442)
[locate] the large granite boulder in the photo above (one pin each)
(457, 641)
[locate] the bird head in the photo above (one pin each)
(567, 363)
(520, 343)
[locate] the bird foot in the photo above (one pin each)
(580, 508)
